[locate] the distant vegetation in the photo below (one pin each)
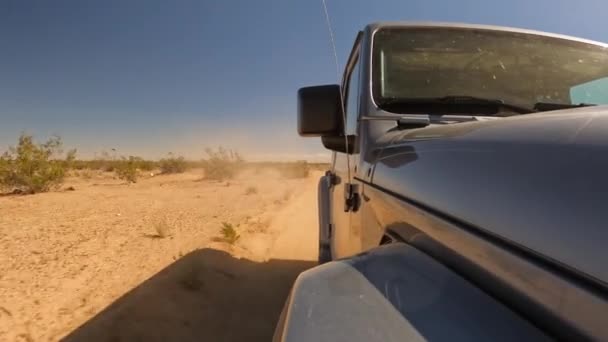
(172, 164)
(107, 163)
(222, 164)
(127, 169)
(289, 169)
(32, 167)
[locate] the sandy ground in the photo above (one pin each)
(89, 264)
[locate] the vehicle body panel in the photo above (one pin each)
(537, 181)
(395, 293)
(558, 303)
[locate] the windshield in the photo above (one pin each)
(517, 68)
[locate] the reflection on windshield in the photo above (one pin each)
(518, 68)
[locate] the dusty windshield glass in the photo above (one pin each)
(516, 68)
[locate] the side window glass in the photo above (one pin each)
(352, 99)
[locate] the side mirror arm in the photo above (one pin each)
(339, 143)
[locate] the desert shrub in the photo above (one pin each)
(127, 169)
(229, 234)
(222, 164)
(299, 169)
(141, 164)
(109, 165)
(106, 162)
(172, 164)
(31, 167)
(251, 190)
(146, 165)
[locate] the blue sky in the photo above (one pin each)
(149, 77)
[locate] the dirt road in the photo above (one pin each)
(91, 264)
(296, 224)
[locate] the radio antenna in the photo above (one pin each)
(338, 78)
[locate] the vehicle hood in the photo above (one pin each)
(539, 181)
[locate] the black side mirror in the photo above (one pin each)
(319, 111)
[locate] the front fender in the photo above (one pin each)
(395, 293)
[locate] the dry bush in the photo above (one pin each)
(162, 228)
(222, 164)
(172, 164)
(251, 190)
(106, 162)
(229, 234)
(127, 169)
(146, 165)
(299, 169)
(31, 167)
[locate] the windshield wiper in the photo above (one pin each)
(548, 106)
(449, 103)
